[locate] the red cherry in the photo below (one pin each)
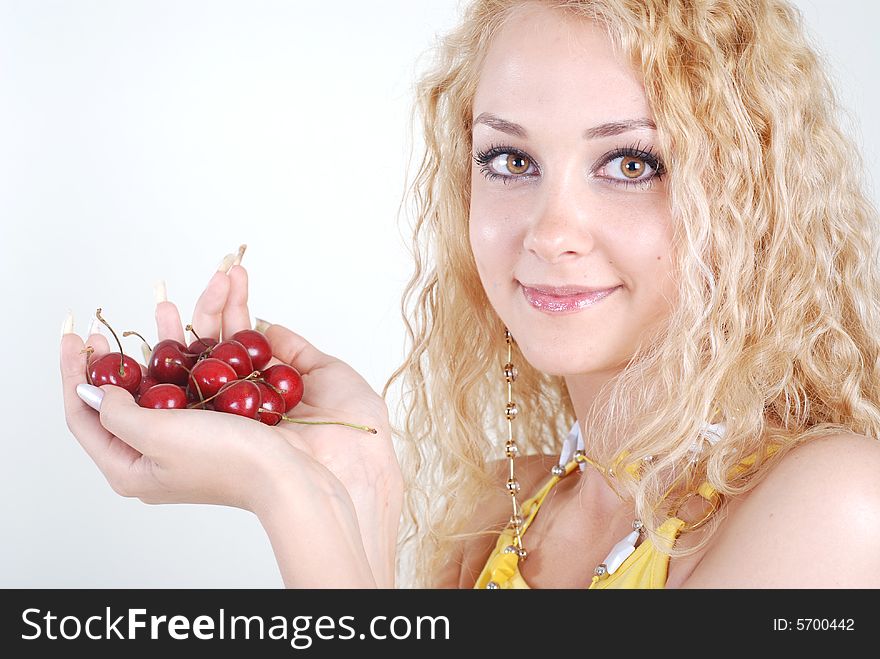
(241, 397)
(234, 354)
(199, 346)
(163, 396)
(105, 370)
(208, 376)
(146, 382)
(272, 406)
(169, 362)
(257, 346)
(288, 381)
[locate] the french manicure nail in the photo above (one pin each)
(95, 327)
(238, 257)
(261, 325)
(160, 292)
(90, 395)
(226, 263)
(67, 325)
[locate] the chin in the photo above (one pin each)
(559, 362)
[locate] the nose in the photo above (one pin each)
(559, 229)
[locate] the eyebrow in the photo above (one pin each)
(608, 129)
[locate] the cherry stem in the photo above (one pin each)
(208, 349)
(251, 376)
(121, 352)
(133, 333)
(368, 429)
(88, 351)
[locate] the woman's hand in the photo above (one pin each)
(324, 476)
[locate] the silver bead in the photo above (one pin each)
(580, 456)
(492, 585)
(648, 459)
(510, 549)
(512, 485)
(510, 372)
(637, 525)
(516, 520)
(510, 411)
(557, 470)
(601, 570)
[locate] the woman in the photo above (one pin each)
(641, 240)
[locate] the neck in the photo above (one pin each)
(584, 390)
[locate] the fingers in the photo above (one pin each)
(236, 316)
(293, 349)
(168, 325)
(109, 453)
(123, 417)
(208, 315)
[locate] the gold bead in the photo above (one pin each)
(516, 520)
(580, 456)
(510, 411)
(511, 450)
(512, 485)
(508, 336)
(523, 554)
(510, 372)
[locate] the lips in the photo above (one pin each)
(564, 299)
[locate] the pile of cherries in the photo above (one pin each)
(226, 376)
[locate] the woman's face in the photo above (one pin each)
(565, 193)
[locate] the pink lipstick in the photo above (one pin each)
(563, 299)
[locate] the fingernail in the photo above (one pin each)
(90, 395)
(67, 325)
(226, 263)
(95, 327)
(261, 325)
(160, 292)
(241, 251)
(145, 351)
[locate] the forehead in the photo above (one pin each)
(544, 62)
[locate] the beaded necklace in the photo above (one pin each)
(573, 453)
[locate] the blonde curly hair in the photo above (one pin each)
(775, 252)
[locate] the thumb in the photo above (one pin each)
(293, 349)
(122, 416)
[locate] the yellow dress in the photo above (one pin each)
(646, 567)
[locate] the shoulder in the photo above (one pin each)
(812, 522)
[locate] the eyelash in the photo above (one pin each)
(484, 158)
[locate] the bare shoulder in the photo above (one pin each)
(812, 522)
(492, 515)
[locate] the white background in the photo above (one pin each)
(143, 140)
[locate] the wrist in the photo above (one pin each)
(313, 529)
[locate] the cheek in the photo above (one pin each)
(493, 239)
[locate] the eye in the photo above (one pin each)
(631, 166)
(505, 163)
(512, 163)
